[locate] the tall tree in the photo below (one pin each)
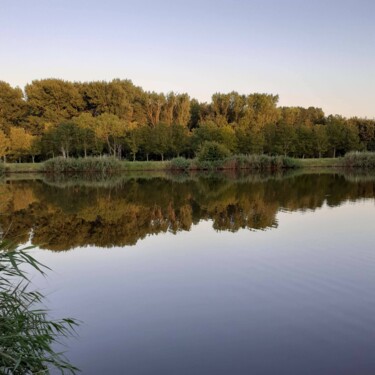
(12, 106)
(51, 101)
(4, 145)
(111, 130)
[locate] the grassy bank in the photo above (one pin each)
(253, 162)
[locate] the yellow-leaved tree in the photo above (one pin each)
(20, 142)
(4, 145)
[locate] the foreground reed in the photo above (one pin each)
(27, 335)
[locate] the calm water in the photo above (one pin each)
(206, 275)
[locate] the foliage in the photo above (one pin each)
(89, 164)
(27, 335)
(260, 162)
(212, 151)
(120, 119)
(180, 163)
(365, 160)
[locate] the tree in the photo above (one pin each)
(110, 129)
(51, 101)
(4, 145)
(85, 123)
(12, 106)
(65, 136)
(161, 139)
(20, 142)
(320, 139)
(134, 140)
(179, 139)
(113, 97)
(153, 104)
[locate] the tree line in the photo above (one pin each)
(53, 117)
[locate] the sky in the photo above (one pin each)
(311, 53)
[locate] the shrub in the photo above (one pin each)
(365, 160)
(180, 163)
(212, 151)
(259, 162)
(90, 164)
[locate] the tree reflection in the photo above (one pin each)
(66, 213)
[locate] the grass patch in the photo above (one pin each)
(320, 162)
(24, 167)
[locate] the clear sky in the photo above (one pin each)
(311, 53)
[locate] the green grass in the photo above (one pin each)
(24, 167)
(127, 166)
(320, 162)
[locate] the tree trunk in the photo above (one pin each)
(33, 158)
(147, 157)
(162, 157)
(334, 152)
(133, 156)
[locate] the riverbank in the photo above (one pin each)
(128, 166)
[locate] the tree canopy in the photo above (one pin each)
(53, 117)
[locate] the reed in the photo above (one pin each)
(363, 160)
(27, 335)
(105, 165)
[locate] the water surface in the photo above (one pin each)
(206, 274)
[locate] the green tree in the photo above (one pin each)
(179, 139)
(85, 123)
(51, 101)
(320, 139)
(161, 139)
(111, 130)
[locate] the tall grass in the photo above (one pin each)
(364, 160)
(237, 162)
(105, 165)
(27, 335)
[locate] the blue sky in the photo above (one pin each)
(318, 53)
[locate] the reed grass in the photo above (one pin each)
(27, 335)
(362, 160)
(105, 165)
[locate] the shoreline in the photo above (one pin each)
(152, 166)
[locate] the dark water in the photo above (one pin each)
(206, 275)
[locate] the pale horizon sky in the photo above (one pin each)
(319, 53)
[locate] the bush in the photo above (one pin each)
(105, 165)
(212, 151)
(259, 162)
(27, 336)
(365, 160)
(180, 164)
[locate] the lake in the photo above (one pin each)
(205, 274)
